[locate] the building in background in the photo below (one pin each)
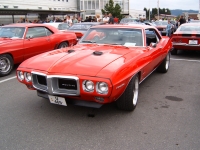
(70, 5)
(93, 7)
(137, 14)
(12, 10)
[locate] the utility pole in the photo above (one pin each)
(158, 11)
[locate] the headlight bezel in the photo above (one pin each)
(85, 88)
(100, 91)
(20, 75)
(26, 77)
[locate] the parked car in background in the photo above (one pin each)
(186, 37)
(21, 41)
(194, 21)
(81, 28)
(161, 26)
(60, 25)
(128, 20)
(101, 70)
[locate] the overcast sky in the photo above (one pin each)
(171, 4)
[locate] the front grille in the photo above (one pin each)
(56, 84)
(188, 35)
(160, 29)
(42, 80)
(67, 84)
(39, 81)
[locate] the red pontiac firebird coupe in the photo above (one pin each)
(186, 37)
(21, 41)
(101, 70)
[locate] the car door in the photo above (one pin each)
(155, 48)
(36, 41)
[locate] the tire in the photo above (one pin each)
(128, 100)
(63, 45)
(174, 51)
(6, 64)
(164, 66)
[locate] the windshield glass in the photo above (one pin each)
(161, 23)
(114, 36)
(189, 28)
(80, 26)
(12, 32)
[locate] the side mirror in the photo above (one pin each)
(153, 45)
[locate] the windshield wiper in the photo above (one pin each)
(88, 41)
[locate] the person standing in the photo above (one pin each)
(105, 18)
(98, 18)
(116, 20)
(181, 21)
(75, 20)
(69, 21)
(111, 19)
(169, 29)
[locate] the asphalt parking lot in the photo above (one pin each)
(166, 117)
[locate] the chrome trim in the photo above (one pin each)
(99, 91)
(52, 84)
(84, 87)
(185, 44)
(35, 83)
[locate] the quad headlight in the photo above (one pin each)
(28, 76)
(20, 75)
(102, 87)
(88, 86)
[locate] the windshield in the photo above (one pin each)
(63, 26)
(80, 26)
(161, 23)
(12, 32)
(126, 20)
(114, 36)
(189, 28)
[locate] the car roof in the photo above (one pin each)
(130, 26)
(189, 24)
(92, 23)
(25, 25)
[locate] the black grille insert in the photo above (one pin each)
(68, 84)
(42, 80)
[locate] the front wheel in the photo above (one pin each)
(6, 64)
(129, 98)
(164, 66)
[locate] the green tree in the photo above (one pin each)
(115, 10)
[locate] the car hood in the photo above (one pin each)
(82, 61)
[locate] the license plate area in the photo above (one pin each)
(57, 100)
(193, 42)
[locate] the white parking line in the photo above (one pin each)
(7, 79)
(186, 60)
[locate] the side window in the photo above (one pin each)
(48, 32)
(152, 36)
(36, 32)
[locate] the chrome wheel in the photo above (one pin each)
(135, 90)
(63, 45)
(167, 62)
(5, 64)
